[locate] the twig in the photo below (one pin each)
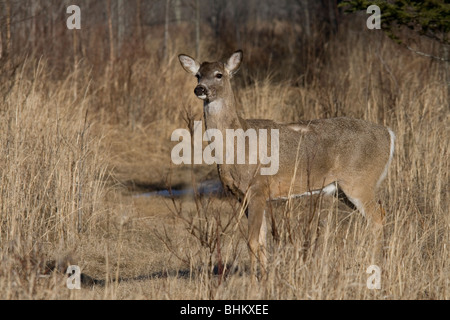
(426, 54)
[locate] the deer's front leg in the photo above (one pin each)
(257, 232)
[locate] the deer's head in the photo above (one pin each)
(213, 77)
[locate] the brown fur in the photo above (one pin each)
(312, 154)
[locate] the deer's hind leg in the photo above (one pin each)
(363, 198)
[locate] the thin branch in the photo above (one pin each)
(426, 54)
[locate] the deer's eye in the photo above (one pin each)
(219, 76)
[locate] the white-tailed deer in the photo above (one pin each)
(314, 156)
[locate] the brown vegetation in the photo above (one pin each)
(78, 143)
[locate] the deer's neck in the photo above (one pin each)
(221, 114)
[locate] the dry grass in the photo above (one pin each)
(73, 157)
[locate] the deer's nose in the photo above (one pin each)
(200, 91)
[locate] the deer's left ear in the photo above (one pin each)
(234, 62)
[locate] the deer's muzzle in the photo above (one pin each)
(200, 92)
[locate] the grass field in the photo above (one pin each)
(76, 151)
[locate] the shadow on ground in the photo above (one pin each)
(89, 282)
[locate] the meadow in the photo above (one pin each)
(79, 148)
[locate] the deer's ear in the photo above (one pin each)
(233, 64)
(189, 64)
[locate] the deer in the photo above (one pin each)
(324, 156)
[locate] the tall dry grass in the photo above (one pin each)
(52, 175)
(72, 157)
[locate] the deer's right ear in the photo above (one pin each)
(189, 64)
